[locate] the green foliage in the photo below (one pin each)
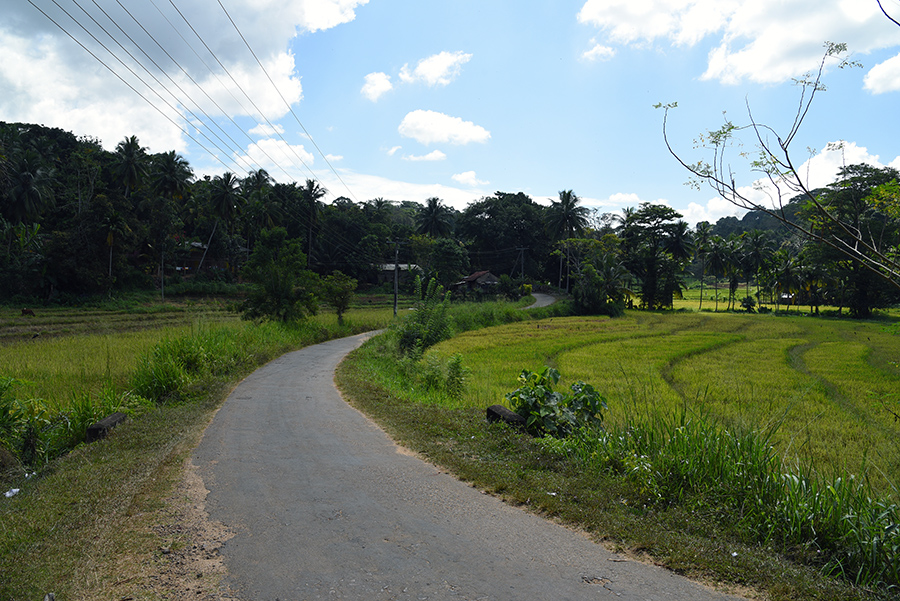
(692, 461)
(429, 322)
(601, 289)
(282, 287)
(446, 378)
(337, 290)
(749, 304)
(36, 434)
(555, 413)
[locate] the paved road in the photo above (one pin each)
(541, 300)
(325, 506)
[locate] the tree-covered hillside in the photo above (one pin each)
(78, 220)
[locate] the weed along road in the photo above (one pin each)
(323, 505)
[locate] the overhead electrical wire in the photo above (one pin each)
(292, 211)
(175, 98)
(122, 79)
(258, 110)
(210, 98)
(287, 104)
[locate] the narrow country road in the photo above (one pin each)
(325, 506)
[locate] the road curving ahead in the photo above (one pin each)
(323, 505)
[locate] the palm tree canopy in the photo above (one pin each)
(29, 191)
(130, 163)
(434, 219)
(565, 218)
(225, 196)
(170, 175)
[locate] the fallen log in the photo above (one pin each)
(99, 430)
(499, 413)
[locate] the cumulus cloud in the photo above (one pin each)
(766, 41)
(429, 127)
(273, 155)
(367, 186)
(435, 155)
(467, 178)
(265, 130)
(818, 171)
(438, 69)
(599, 52)
(393, 150)
(47, 78)
(377, 84)
(884, 77)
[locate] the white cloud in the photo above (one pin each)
(317, 15)
(467, 178)
(377, 84)
(435, 155)
(47, 78)
(599, 52)
(715, 209)
(884, 77)
(428, 127)
(366, 186)
(817, 172)
(265, 130)
(438, 69)
(333, 158)
(273, 155)
(766, 41)
(393, 150)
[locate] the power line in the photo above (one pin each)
(98, 59)
(290, 108)
(138, 62)
(258, 110)
(288, 211)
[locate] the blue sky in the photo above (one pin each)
(455, 98)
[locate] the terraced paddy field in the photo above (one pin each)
(827, 386)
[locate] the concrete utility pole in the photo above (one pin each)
(396, 273)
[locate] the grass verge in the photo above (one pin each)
(695, 536)
(84, 526)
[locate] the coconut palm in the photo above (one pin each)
(311, 193)
(29, 192)
(130, 163)
(434, 219)
(786, 274)
(757, 250)
(170, 175)
(225, 200)
(115, 226)
(702, 235)
(565, 219)
(717, 261)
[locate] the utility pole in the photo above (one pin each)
(521, 259)
(396, 273)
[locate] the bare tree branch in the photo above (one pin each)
(775, 164)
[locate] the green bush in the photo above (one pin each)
(555, 413)
(429, 322)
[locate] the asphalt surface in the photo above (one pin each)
(541, 300)
(325, 506)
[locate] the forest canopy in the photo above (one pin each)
(77, 220)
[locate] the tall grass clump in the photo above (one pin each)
(836, 523)
(33, 433)
(183, 368)
(428, 323)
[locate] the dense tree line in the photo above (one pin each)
(76, 219)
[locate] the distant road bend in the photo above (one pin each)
(325, 506)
